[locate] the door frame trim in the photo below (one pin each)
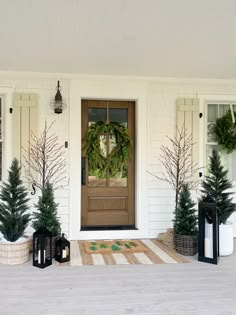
(113, 89)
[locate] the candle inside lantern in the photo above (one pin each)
(208, 242)
(64, 254)
(208, 248)
(39, 256)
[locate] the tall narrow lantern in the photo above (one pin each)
(62, 249)
(42, 248)
(208, 237)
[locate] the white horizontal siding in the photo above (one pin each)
(161, 121)
(45, 88)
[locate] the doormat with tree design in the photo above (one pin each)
(109, 247)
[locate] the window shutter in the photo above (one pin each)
(188, 117)
(25, 121)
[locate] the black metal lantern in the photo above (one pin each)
(42, 248)
(58, 104)
(208, 238)
(62, 249)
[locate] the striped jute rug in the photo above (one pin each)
(155, 253)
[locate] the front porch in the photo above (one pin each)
(194, 288)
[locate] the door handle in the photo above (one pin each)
(83, 171)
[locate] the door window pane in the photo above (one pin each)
(96, 114)
(120, 175)
(97, 178)
(119, 178)
(100, 178)
(119, 115)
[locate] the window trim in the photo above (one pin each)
(6, 94)
(2, 132)
(219, 101)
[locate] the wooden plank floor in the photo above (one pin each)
(194, 288)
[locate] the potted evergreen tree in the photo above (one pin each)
(215, 188)
(45, 217)
(46, 169)
(185, 224)
(14, 247)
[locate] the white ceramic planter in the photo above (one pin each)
(226, 239)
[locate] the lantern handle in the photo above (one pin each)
(63, 235)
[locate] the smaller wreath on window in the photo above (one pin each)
(107, 146)
(225, 132)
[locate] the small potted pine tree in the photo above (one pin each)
(46, 169)
(185, 224)
(14, 246)
(45, 217)
(215, 189)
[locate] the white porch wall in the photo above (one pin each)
(156, 118)
(162, 123)
(46, 89)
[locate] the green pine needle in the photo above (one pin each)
(14, 205)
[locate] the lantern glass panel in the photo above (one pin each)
(62, 250)
(42, 249)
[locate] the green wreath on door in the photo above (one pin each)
(95, 147)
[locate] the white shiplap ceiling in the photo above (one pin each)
(173, 38)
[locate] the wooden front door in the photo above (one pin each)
(108, 199)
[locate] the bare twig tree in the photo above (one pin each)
(178, 163)
(44, 161)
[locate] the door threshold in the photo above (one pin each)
(108, 228)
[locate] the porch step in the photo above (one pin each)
(167, 238)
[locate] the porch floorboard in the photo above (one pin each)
(194, 288)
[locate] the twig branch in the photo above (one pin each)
(178, 163)
(44, 160)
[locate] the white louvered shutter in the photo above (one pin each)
(188, 117)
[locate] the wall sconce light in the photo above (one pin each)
(58, 104)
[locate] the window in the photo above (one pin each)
(1, 138)
(216, 110)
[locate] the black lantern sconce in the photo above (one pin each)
(208, 237)
(62, 249)
(58, 104)
(42, 248)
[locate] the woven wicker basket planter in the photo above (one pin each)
(14, 253)
(186, 244)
